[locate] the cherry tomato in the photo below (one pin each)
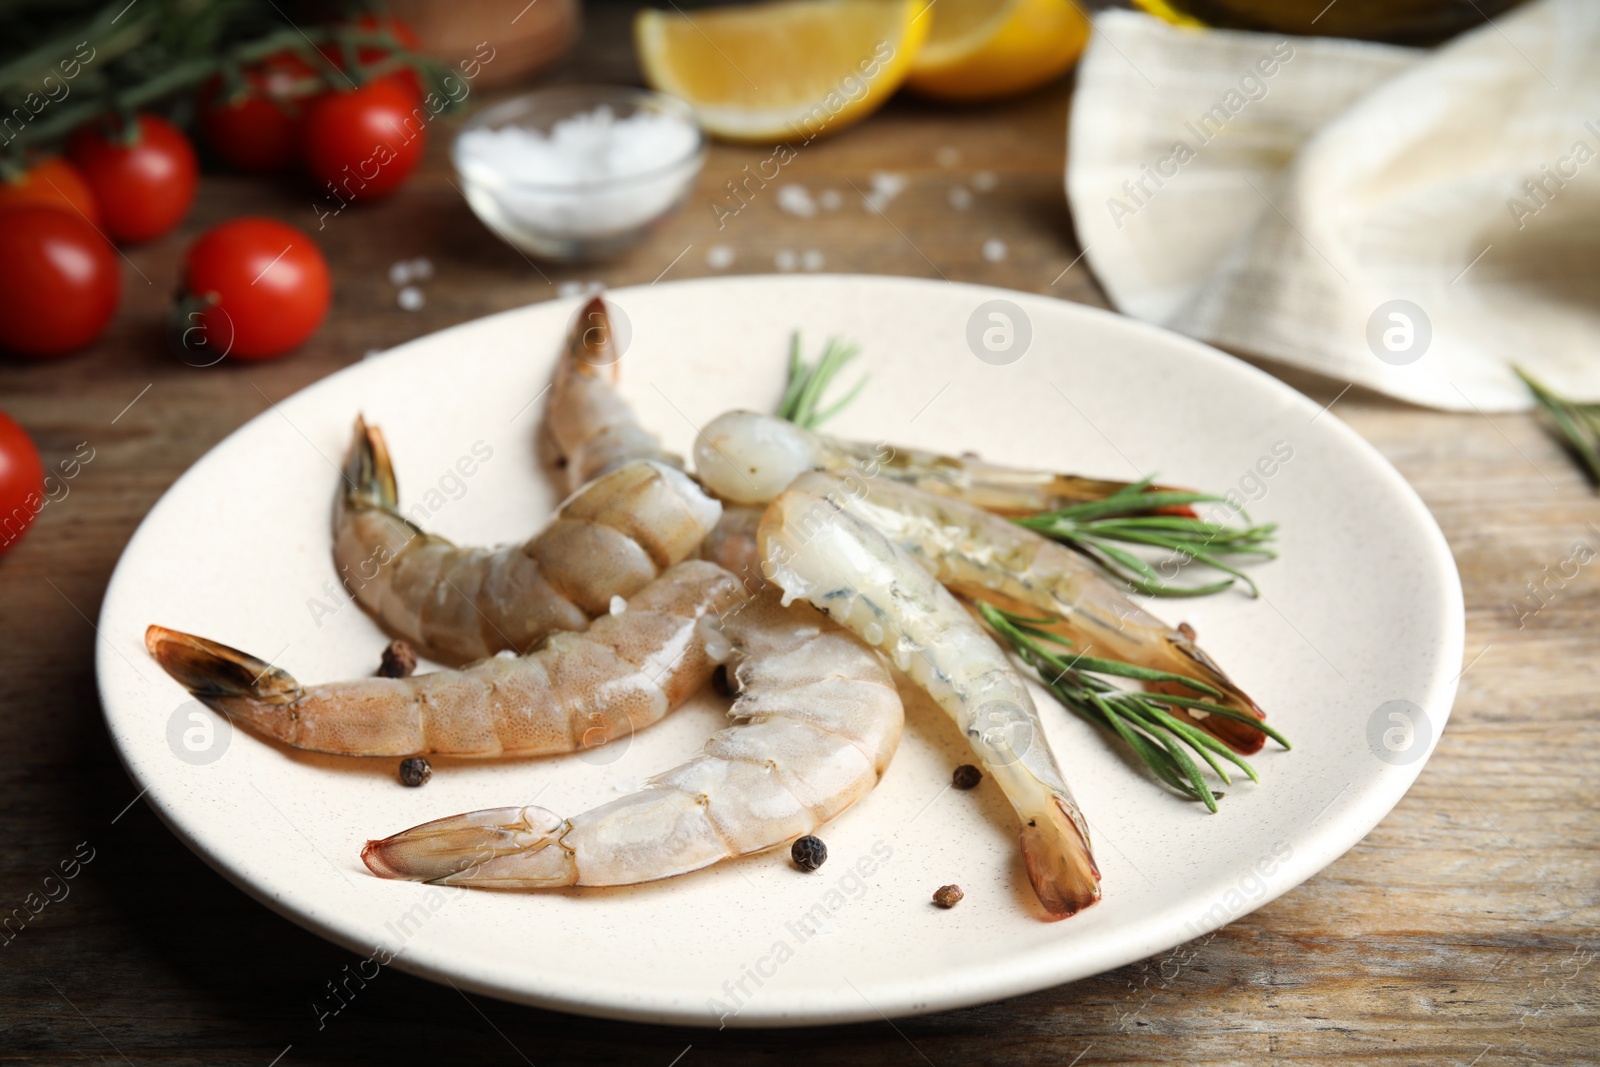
(144, 184)
(52, 182)
(59, 282)
(256, 129)
(365, 142)
(262, 288)
(21, 482)
(370, 54)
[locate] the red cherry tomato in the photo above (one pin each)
(144, 185)
(365, 142)
(264, 288)
(51, 182)
(251, 133)
(257, 128)
(21, 482)
(59, 282)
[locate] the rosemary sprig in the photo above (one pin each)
(133, 56)
(1578, 423)
(1143, 720)
(1133, 515)
(1137, 514)
(807, 383)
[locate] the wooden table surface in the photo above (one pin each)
(1461, 931)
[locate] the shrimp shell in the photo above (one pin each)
(815, 725)
(579, 691)
(749, 458)
(590, 427)
(459, 604)
(817, 550)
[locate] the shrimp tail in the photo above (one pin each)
(589, 428)
(227, 680)
(591, 349)
(496, 848)
(368, 473)
(1239, 736)
(1061, 867)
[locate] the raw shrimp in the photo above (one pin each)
(815, 725)
(985, 557)
(459, 604)
(816, 550)
(748, 458)
(590, 427)
(578, 691)
(731, 544)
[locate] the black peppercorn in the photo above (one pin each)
(415, 771)
(398, 661)
(809, 853)
(966, 777)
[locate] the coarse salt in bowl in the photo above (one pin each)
(578, 172)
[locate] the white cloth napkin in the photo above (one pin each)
(1274, 195)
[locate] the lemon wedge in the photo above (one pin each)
(986, 49)
(786, 70)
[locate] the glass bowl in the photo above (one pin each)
(573, 220)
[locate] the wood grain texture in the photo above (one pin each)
(1461, 931)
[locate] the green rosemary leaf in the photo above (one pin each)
(1162, 589)
(1120, 669)
(1189, 768)
(1227, 713)
(1127, 516)
(1131, 500)
(1161, 739)
(1578, 423)
(1202, 740)
(839, 405)
(1122, 556)
(1189, 542)
(808, 382)
(797, 379)
(1157, 758)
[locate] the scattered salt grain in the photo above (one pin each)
(947, 157)
(811, 259)
(885, 187)
(539, 173)
(406, 271)
(796, 200)
(618, 605)
(994, 250)
(960, 197)
(411, 299)
(719, 257)
(785, 259)
(984, 181)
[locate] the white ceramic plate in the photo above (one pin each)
(1362, 609)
